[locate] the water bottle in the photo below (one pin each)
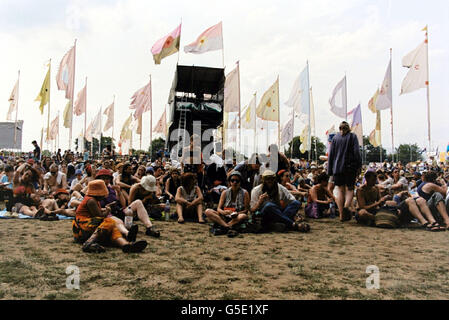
(167, 211)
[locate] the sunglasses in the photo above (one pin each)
(235, 180)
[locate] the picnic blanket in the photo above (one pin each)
(22, 216)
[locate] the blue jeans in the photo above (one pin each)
(272, 213)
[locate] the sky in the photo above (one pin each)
(268, 38)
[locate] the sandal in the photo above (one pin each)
(302, 227)
(180, 221)
(150, 232)
(232, 233)
(434, 227)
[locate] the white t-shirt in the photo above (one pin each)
(284, 195)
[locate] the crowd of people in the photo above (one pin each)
(264, 193)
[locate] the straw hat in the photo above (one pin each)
(148, 183)
(97, 188)
(268, 174)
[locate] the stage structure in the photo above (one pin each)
(11, 138)
(197, 95)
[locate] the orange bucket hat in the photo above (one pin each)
(97, 188)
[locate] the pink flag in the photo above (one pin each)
(161, 125)
(141, 101)
(64, 78)
(209, 40)
(80, 104)
(167, 45)
(109, 112)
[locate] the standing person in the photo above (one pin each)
(36, 151)
(344, 164)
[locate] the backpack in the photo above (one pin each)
(387, 218)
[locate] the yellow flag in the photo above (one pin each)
(67, 115)
(375, 136)
(268, 108)
(304, 138)
(44, 94)
(372, 102)
(126, 129)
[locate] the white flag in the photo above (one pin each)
(232, 91)
(385, 97)
(109, 112)
(12, 101)
(299, 98)
(338, 101)
(209, 40)
(287, 132)
(416, 77)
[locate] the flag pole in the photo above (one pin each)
(101, 133)
(141, 130)
(113, 107)
(309, 138)
(428, 88)
(222, 45)
(151, 117)
(179, 49)
(346, 98)
(85, 117)
(48, 113)
(72, 98)
(240, 105)
(279, 117)
(255, 124)
(391, 84)
(17, 109)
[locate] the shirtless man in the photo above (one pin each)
(369, 200)
(54, 180)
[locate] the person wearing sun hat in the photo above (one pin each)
(233, 206)
(144, 203)
(276, 204)
(92, 227)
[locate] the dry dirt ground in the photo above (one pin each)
(189, 263)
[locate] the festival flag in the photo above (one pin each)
(167, 45)
(54, 129)
(126, 132)
(372, 102)
(375, 135)
(13, 101)
(81, 100)
(268, 108)
(44, 94)
(287, 132)
(64, 78)
(141, 100)
(299, 98)
(67, 115)
(209, 40)
(355, 120)
(232, 91)
(385, 98)
(161, 126)
(305, 140)
(109, 112)
(139, 126)
(417, 76)
(248, 120)
(338, 101)
(96, 124)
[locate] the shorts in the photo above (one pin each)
(346, 178)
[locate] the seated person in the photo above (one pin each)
(126, 179)
(215, 176)
(233, 206)
(143, 203)
(6, 185)
(189, 199)
(172, 184)
(276, 204)
(77, 180)
(284, 180)
(432, 190)
(320, 198)
(94, 230)
(54, 180)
